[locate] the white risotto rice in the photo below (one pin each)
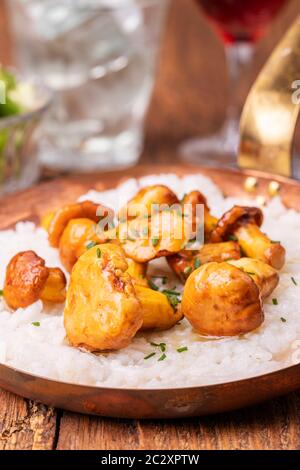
(43, 350)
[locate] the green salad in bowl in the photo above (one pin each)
(22, 106)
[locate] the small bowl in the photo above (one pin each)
(19, 166)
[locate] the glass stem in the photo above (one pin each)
(237, 55)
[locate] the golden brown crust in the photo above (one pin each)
(194, 199)
(157, 312)
(55, 287)
(74, 240)
(233, 218)
(102, 310)
(221, 300)
(78, 210)
(137, 272)
(264, 276)
(186, 261)
(197, 198)
(144, 239)
(26, 276)
(256, 244)
(141, 203)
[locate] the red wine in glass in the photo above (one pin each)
(239, 23)
(241, 20)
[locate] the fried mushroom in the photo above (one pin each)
(141, 204)
(195, 198)
(55, 287)
(244, 223)
(102, 309)
(186, 261)
(157, 312)
(221, 300)
(28, 280)
(163, 234)
(78, 235)
(60, 219)
(137, 272)
(264, 276)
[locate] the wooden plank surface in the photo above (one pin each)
(26, 425)
(274, 425)
(189, 99)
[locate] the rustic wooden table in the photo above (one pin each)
(189, 100)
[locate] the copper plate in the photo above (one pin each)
(144, 403)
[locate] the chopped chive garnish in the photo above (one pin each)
(172, 298)
(155, 241)
(1, 292)
(233, 238)
(250, 273)
(275, 301)
(187, 270)
(183, 349)
(275, 241)
(173, 301)
(197, 263)
(162, 357)
(98, 253)
(90, 245)
(294, 281)
(162, 346)
(170, 292)
(152, 285)
(149, 355)
(36, 323)
(283, 320)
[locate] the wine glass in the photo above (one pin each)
(239, 24)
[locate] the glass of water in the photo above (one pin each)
(99, 57)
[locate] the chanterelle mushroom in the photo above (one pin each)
(195, 198)
(141, 204)
(58, 221)
(243, 223)
(263, 274)
(78, 235)
(137, 272)
(158, 314)
(163, 234)
(28, 280)
(102, 309)
(186, 261)
(222, 300)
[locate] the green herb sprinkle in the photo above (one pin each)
(149, 356)
(183, 349)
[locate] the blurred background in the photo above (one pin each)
(191, 88)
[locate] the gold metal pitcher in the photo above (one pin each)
(270, 113)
